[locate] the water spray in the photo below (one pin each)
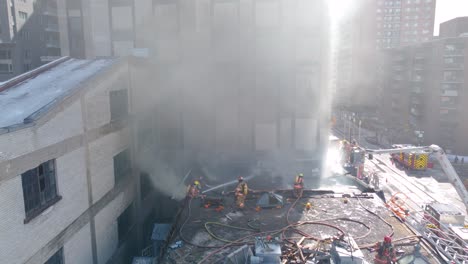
(226, 184)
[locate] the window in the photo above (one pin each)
(27, 54)
(125, 223)
(119, 104)
(25, 34)
(23, 15)
(57, 258)
(121, 165)
(5, 55)
(39, 189)
(6, 68)
(146, 186)
(27, 67)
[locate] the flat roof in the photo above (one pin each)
(26, 98)
(206, 231)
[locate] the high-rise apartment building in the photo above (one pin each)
(454, 28)
(29, 35)
(404, 22)
(369, 28)
(424, 87)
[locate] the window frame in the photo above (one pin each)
(57, 258)
(32, 192)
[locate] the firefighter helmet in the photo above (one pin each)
(388, 239)
(300, 175)
(240, 178)
(196, 183)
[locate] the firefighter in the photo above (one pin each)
(241, 192)
(385, 252)
(375, 179)
(299, 185)
(194, 189)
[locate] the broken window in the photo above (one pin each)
(118, 104)
(57, 258)
(121, 165)
(39, 189)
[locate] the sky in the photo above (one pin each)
(448, 9)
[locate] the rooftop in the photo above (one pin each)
(50, 84)
(208, 232)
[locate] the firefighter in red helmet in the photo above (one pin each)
(385, 252)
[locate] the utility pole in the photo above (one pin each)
(359, 132)
(349, 128)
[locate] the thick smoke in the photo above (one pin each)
(212, 94)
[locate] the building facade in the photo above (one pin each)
(369, 28)
(242, 58)
(70, 192)
(29, 36)
(454, 28)
(424, 91)
(247, 80)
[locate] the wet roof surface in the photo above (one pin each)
(24, 99)
(328, 209)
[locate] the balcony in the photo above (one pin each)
(416, 90)
(53, 44)
(418, 67)
(50, 11)
(454, 66)
(415, 111)
(418, 79)
(52, 28)
(416, 101)
(419, 56)
(49, 58)
(449, 93)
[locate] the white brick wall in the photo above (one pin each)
(97, 107)
(65, 124)
(107, 228)
(20, 241)
(9, 144)
(101, 163)
(78, 250)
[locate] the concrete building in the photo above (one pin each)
(370, 27)
(242, 58)
(243, 82)
(29, 35)
(424, 92)
(356, 57)
(68, 188)
(229, 87)
(454, 28)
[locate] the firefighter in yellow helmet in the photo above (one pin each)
(194, 189)
(299, 185)
(241, 192)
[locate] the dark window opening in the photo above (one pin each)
(121, 165)
(145, 184)
(119, 104)
(5, 55)
(57, 258)
(125, 223)
(39, 189)
(6, 68)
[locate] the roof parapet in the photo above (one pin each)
(28, 75)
